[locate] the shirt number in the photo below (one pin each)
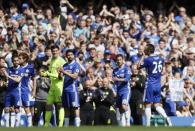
(157, 67)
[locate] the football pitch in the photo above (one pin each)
(102, 128)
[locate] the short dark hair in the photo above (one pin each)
(55, 47)
(24, 56)
(119, 55)
(14, 56)
(150, 48)
(69, 50)
(47, 48)
(14, 52)
(80, 52)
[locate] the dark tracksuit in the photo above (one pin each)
(104, 100)
(87, 97)
(43, 85)
(136, 101)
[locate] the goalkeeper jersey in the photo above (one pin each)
(55, 63)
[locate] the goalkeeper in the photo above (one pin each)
(55, 91)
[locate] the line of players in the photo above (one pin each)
(20, 86)
(67, 94)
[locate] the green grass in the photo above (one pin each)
(102, 128)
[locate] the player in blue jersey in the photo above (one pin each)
(27, 75)
(70, 97)
(153, 65)
(121, 78)
(12, 97)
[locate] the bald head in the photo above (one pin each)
(87, 84)
(105, 82)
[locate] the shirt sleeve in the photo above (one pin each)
(113, 74)
(53, 75)
(62, 62)
(20, 71)
(32, 72)
(127, 74)
(76, 69)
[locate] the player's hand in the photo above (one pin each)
(60, 76)
(66, 72)
(115, 79)
(44, 74)
(60, 70)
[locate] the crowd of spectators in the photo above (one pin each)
(97, 35)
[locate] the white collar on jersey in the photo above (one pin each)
(25, 65)
(152, 54)
(17, 67)
(122, 66)
(72, 62)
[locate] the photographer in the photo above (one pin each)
(137, 88)
(104, 100)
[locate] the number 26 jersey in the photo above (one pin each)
(154, 66)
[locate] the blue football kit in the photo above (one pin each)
(153, 66)
(12, 97)
(70, 97)
(27, 73)
(122, 88)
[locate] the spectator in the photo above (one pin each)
(183, 110)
